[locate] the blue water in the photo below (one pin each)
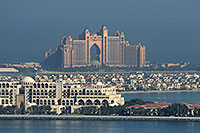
(188, 97)
(58, 126)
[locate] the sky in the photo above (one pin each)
(170, 29)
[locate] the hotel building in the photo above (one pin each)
(96, 49)
(59, 94)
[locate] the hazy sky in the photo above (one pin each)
(170, 29)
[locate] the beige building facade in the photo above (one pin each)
(58, 95)
(94, 49)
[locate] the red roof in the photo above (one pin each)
(136, 106)
(194, 106)
(151, 105)
(164, 104)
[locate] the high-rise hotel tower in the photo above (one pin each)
(96, 49)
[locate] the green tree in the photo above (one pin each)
(139, 112)
(10, 110)
(134, 101)
(176, 109)
(1, 109)
(39, 110)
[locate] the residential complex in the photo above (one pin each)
(96, 49)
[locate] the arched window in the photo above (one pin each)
(87, 92)
(38, 85)
(105, 102)
(2, 92)
(49, 102)
(81, 102)
(63, 102)
(7, 85)
(42, 92)
(34, 85)
(45, 102)
(67, 102)
(95, 92)
(41, 102)
(71, 102)
(3, 85)
(97, 102)
(46, 85)
(2, 101)
(88, 102)
(42, 85)
(53, 102)
(38, 92)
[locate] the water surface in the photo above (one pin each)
(97, 126)
(188, 97)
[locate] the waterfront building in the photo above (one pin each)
(8, 70)
(24, 65)
(59, 94)
(96, 49)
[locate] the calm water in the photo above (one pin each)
(98, 126)
(112, 126)
(189, 97)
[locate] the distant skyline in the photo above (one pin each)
(170, 30)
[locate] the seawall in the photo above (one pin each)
(98, 118)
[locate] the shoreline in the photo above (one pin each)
(105, 72)
(99, 118)
(163, 91)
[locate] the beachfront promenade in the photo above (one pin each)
(98, 118)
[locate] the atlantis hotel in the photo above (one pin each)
(96, 49)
